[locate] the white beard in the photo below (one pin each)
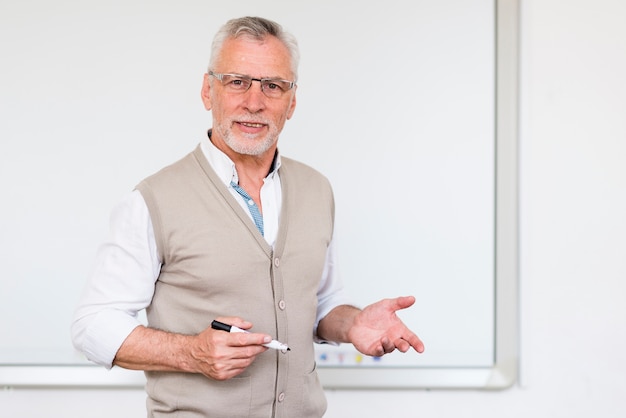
(247, 147)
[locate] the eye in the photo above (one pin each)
(276, 86)
(236, 83)
(273, 86)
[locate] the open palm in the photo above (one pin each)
(377, 330)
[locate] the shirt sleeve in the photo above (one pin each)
(330, 293)
(121, 284)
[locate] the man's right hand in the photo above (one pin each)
(221, 355)
(216, 354)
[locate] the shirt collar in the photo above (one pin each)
(224, 166)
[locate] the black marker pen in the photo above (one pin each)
(276, 345)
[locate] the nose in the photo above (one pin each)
(254, 98)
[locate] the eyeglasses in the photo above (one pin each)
(273, 88)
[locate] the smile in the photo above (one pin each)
(252, 125)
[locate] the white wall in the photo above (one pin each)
(573, 241)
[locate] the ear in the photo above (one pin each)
(292, 105)
(205, 93)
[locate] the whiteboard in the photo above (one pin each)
(409, 109)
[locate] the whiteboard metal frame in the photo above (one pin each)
(502, 374)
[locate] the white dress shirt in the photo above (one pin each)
(127, 266)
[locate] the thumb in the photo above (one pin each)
(403, 302)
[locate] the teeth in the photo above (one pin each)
(252, 125)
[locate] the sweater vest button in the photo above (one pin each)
(281, 397)
(282, 305)
(277, 261)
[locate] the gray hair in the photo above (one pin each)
(255, 28)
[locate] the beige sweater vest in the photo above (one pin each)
(216, 263)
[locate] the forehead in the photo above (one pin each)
(268, 57)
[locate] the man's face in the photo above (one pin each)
(249, 123)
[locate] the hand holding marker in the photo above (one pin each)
(276, 345)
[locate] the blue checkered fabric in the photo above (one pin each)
(254, 209)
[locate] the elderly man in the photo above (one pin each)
(237, 233)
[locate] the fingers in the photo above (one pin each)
(236, 321)
(408, 340)
(405, 344)
(416, 343)
(243, 339)
(401, 344)
(236, 338)
(226, 369)
(387, 345)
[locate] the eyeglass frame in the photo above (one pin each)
(262, 81)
